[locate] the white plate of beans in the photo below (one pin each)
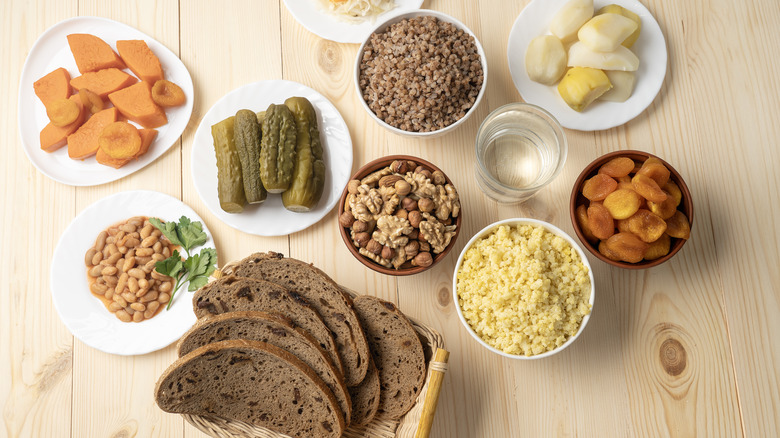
(103, 282)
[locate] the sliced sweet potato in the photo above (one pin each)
(135, 102)
(140, 60)
(63, 112)
(93, 54)
(91, 101)
(167, 94)
(120, 140)
(105, 159)
(84, 142)
(55, 137)
(147, 137)
(53, 86)
(103, 82)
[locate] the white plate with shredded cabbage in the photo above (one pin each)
(346, 21)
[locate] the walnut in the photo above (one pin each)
(376, 176)
(436, 233)
(447, 202)
(367, 204)
(346, 219)
(389, 198)
(391, 231)
(400, 258)
(374, 257)
(421, 185)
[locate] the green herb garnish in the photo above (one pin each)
(196, 268)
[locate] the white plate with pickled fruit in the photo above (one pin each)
(270, 217)
(86, 314)
(564, 62)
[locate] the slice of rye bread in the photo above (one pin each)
(397, 352)
(365, 397)
(275, 329)
(253, 382)
(325, 296)
(230, 294)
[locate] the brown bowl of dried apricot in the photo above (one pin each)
(631, 209)
(399, 215)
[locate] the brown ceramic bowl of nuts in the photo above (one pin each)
(399, 215)
(631, 209)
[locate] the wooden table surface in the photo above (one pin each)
(689, 348)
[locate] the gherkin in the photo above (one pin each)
(277, 150)
(247, 138)
(309, 173)
(230, 187)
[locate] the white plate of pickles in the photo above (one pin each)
(650, 49)
(270, 217)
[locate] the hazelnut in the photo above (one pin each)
(388, 253)
(352, 186)
(410, 165)
(412, 248)
(425, 246)
(362, 239)
(402, 188)
(409, 204)
(415, 217)
(426, 205)
(447, 221)
(359, 226)
(373, 246)
(399, 167)
(421, 238)
(346, 219)
(403, 214)
(438, 178)
(423, 171)
(423, 259)
(413, 235)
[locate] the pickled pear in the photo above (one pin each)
(568, 20)
(617, 9)
(581, 86)
(621, 59)
(622, 85)
(605, 32)
(545, 59)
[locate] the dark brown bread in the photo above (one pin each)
(365, 397)
(397, 352)
(325, 296)
(230, 294)
(274, 329)
(253, 382)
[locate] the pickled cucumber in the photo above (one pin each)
(230, 185)
(247, 139)
(309, 174)
(277, 151)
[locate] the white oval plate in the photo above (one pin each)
(50, 52)
(84, 314)
(271, 218)
(313, 17)
(534, 20)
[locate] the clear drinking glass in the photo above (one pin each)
(520, 148)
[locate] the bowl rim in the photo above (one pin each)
(550, 228)
(591, 169)
(412, 14)
(364, 170)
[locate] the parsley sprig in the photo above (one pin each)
(196, 268)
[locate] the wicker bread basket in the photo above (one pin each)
(416, 422)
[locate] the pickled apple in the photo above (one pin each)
(623, 59)
(617, 9)
(605, 32)
(545, 59)
(568, 20)
(581, 86)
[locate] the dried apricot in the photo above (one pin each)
(598, 187)
(600, 221)
(624, 179)
(671, 189)
(606, 252)
(646, 225)
(581, 214)
(678, 226)
(663, 209)
(617, 167)
(166, 94)
(622, 203)
(63, 112)
(91, 101)
(648, 188)
(659, 248)
(627, 247)
(622, 226)
(120, 140)
(658, 172)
